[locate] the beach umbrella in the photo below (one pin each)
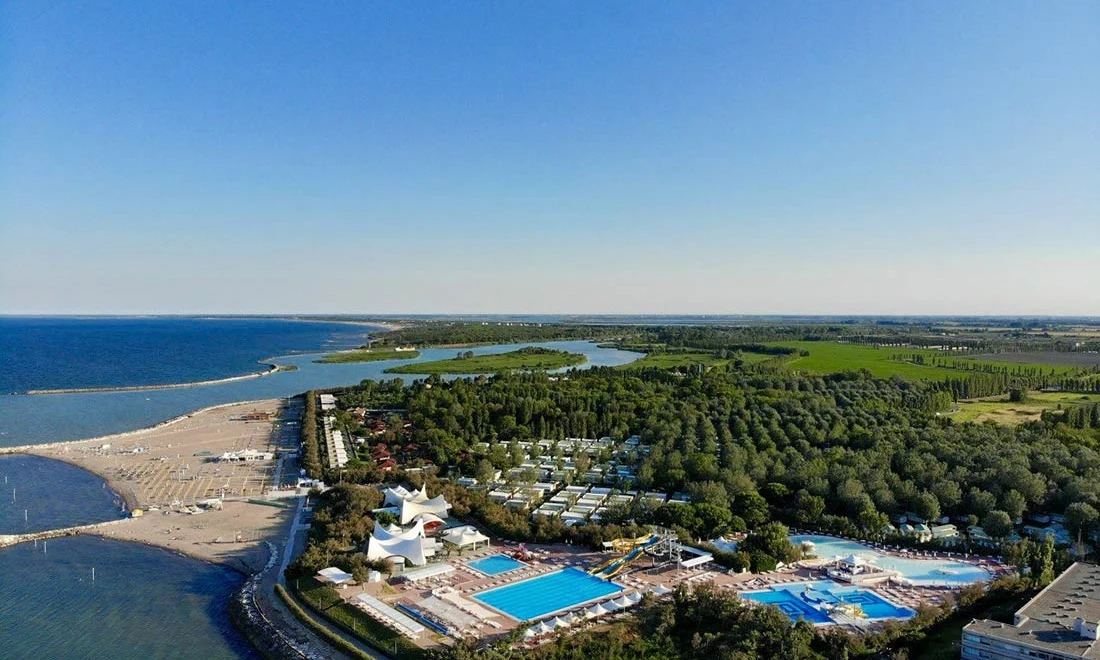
(595, 611)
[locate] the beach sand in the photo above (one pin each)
(158, 471)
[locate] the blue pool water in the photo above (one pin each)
(496, 565)
(531, 599)
(810, 601)
(919, 571)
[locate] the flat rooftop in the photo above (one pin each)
(1048, 620)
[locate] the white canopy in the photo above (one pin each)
(464, 536)
(334, 575)
(622, 602)
(541, 628)
(595, 611)
(634, 598)
(529, 633)
(660, 590)
(559, 622)
(610, 605)
(427, 572)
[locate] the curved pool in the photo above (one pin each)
(924, 572)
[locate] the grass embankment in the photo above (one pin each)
(830, 357)
(368, 355)
(324, 601)
(999, 409)
(530, 358)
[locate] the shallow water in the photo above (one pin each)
(38, 494)
(144, 603)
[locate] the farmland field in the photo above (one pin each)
(829, 357)
(1002, 411)
(1044, 358)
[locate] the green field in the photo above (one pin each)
(829, 357)
(686, 358)
(525, 359)
(368, 355)
(1003, 411)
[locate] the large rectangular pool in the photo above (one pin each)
(496, 564)
(545, 594)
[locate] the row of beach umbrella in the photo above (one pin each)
(591, 612)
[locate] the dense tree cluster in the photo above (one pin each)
(812, 451)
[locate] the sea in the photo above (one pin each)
(144, 602)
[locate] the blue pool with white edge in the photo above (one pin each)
(815, 602)
(921, 572)
(546, 594)
(496, 564)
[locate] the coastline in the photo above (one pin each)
(141, 472)
(271, 369)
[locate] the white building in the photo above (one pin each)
(1058, 624)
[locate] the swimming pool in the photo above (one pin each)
(496, 564)
(542, 595)
(811, 601)
(919, 571)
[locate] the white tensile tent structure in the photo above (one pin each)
(410, 509)
(465, 536)
(409, 544)
(395, 495)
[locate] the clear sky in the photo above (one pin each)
(617, 157)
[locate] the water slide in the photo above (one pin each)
(634, 549)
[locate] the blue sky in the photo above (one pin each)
(804, 157)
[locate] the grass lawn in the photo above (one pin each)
(830, 356)
(368, 355)
(530, 358)
(999, 409)
(326, 601)
(682, 359)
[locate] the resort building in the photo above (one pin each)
(1058, 624)
(415, 506)
(857, 570)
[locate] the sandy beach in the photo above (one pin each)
(166, 469)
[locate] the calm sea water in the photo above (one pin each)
(53, 353)
(38, 494)
(145, 602)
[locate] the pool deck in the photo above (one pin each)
(473, 619)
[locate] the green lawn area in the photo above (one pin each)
(830, 356)
(530, 358)
(368, 355)
(1001, 410)
(685, 358)
(327, 602)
